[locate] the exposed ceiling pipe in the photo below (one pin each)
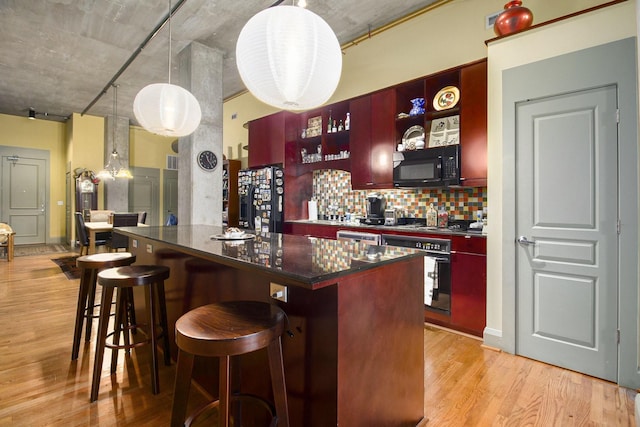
(135, 54)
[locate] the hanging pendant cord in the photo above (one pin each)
(170, 41)
(115, 116)
(135, 54)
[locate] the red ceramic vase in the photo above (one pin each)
(514, 18)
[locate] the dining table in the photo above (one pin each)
(96, 227)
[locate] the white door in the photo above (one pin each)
(566, 220)
(24, 197)
(144, 193)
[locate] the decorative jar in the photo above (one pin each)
(418, 107)
(514, 18)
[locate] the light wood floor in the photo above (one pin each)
(466, 384)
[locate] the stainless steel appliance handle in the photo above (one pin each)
(525, 242)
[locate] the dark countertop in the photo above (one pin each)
(297, 260)
(381, 229)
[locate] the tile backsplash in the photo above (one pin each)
(333, 187)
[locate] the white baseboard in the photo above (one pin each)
(492, 337)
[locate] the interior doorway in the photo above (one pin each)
(25, 193)
(566, 223)
(532, 94)
(144, 193)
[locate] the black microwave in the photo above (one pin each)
(430, 167)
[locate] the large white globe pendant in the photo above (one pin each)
(167, 109)
(289, 57)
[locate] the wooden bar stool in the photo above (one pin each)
(223, 330)
(89, 266)
(152, 277)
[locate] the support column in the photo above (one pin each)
(116, 192)
(200, 195)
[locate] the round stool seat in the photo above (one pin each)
(229, 328)
(133, 275)
(105, 260)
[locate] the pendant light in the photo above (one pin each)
(289, 58)
(114, 169)
(167, 109)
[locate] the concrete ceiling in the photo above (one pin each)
(56, 56)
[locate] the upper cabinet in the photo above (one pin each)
(454, 112)
(473, 124)
(361, 135)
(319, 139)
(266, 140)
(373, 140)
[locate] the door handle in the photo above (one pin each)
(525, 242)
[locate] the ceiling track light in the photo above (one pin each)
(134, 55)
(33, 113)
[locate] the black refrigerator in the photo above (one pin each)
(261, 194)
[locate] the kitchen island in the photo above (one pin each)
(355, 356)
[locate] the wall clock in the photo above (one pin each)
(207, 160)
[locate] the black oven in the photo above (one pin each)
(430, 167)
(437, 273)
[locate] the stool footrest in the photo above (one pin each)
(96, 316)
(159, 335)
(234, 398)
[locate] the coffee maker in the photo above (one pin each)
(376, 205)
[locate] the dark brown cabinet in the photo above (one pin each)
(467, 116)
(311, 230)
(473, 124)
(378, 123)
(373, 141)
(266, 140)
(361, 143)
(468, 275)
(469, 284)
(230, 203)
(323, 145)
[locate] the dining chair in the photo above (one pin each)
(142, 217)
(119, 241)
(82, 237)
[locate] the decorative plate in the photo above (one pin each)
(446, 98)
(411, 136)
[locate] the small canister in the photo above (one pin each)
(443, 219)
